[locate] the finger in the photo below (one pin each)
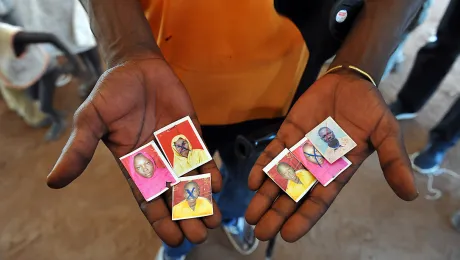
(79, 150)
(311, 210)
(262, 201)
(159, 217)
(194, 230)
(215, 219)
(257, 176)
(394, 161)
(270, 223)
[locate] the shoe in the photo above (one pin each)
(398, 111)
(429, 160)
(456, 221)
(162, 256)
(398, 59)
(63, 80)
(45, 122)
(241, 235)
(56, 130)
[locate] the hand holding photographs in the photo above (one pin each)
(185, 151)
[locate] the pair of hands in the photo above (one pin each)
(139, 96)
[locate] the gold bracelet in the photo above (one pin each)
(360, 71)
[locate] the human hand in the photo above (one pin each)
(357, 106)
(128, 104)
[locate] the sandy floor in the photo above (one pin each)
(97, 218)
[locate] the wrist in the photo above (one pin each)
(116, 58)
(351, 71)
(122, 31)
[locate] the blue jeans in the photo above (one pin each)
(235, 196)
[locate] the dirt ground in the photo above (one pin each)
(97, 218)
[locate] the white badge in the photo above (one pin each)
(341, 16)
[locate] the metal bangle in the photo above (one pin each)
(360, 71)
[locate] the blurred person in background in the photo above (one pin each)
(14, 83)
(432, 64)
(68, 21)
(27, 76)
(29, 73)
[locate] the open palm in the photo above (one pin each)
(357, 106)
(128, 104)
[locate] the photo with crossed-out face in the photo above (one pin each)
(192, 197)
(182, 145)
(330, 140)
(149, 170)
(323, 171)
(290, 175)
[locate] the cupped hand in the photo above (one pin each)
(357, 106)
(130, 102)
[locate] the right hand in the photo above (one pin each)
(130, 102)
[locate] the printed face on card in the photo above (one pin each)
(290, 175)
(192, 197)
(149, 170)
(323, 171)
(330, 140)
(182, 146)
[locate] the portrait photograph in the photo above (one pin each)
(309, 156)
(182, 145)
(290, 175)
(192, 197)
(331, 140)
(149, 170)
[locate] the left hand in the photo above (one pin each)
(357, 106)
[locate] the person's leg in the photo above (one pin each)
(234, 200)
(46, 96)
(20, 101)
(432, 64)
(442, 137)
(92, 55)
(92, 61)
(235, 196)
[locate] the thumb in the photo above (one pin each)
(394, 161)
(87, 131)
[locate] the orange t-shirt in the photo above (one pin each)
(238, 59)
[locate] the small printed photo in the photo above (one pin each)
(192, 197)
(323, 171)
(290, 175)
(182, 146)
(149, 170)
(330, 140)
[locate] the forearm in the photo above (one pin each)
(121, 29)
(376, 34)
